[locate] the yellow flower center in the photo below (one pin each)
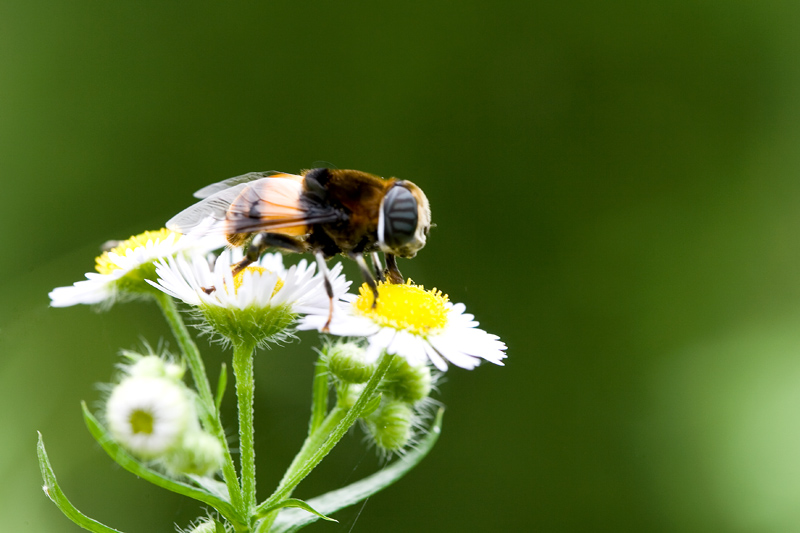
(238, 279)
(405, 306)
(141, 422)
(103, 263)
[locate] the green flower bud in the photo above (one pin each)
(152, 366)
(348, 395)
(346, 361)
(392, 425)
(206, 526)
(407, 383)
(200, 454)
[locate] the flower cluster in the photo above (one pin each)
(404, 393)
(381, 360)
(152, 414)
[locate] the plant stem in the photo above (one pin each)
(188, 347)
(211, 416)
(305, 462)
(245, 387)
(319, 396)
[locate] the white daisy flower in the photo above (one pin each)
(416, 324)
(148, 415)
(121, 270)
(259, 302)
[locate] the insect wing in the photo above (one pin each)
(214, 188)
(268, 204)
(208, 215)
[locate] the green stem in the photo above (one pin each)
(319, 396)
(301, 467)
(211, 415)
(245, 387)
(188, 347)
(313, 442)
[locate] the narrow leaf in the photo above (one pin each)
(319, 397)
(129, 463)
(53, 491)
(221, 384)
(291, 520)
(212, 486)
(294, 502)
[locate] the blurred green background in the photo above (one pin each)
(615, 187)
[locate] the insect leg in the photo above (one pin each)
(367, 273)
(376, 265)
(392, 272)
(323, 268)
(261, 242)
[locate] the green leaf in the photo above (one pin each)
(292, 520)
(221, 384)
(219, 528)
(129, 463)
(53, 491)
(294, 502)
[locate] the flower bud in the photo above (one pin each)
(148, 415)
(346, 361)
(199, 454)
(407, 383)
(205, 526)
(348, 395)
(152, 366)
(392, 425)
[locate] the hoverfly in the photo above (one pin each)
(322, 211)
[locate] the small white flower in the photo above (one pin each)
(259, 302)
(149, 415)
(122, 269)
(265, 283)
(416, 324)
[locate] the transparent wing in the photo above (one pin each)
(209, 213)
(214, 188)
(266, 204)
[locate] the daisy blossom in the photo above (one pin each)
(259, 302)
(148, 416)
(416, 324)
(121, 270)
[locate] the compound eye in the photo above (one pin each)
(400, 217)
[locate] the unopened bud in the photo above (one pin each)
(200, 454)
(391, 425)
(153, 366)
(206, 526)
(346, 361)
(408, 383)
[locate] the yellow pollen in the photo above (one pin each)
(103, 263)
(238, 279)
(404, 306)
